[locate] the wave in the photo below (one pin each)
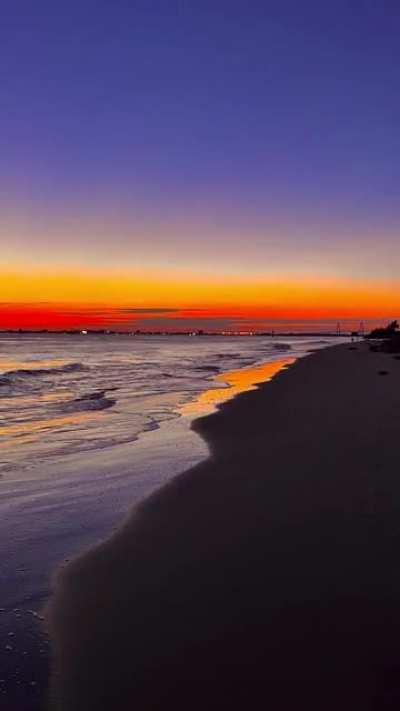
(92, 401)
(10, 375)
(282, 347)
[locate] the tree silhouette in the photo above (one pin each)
(387, 332)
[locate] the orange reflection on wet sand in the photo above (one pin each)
(235, 381)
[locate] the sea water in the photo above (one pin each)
(64, 394)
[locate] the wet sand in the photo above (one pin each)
(266, 576)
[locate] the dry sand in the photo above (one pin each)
(266, 577)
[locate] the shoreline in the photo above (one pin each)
(232, 383)
(269, 568)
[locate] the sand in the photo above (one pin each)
(265, 577)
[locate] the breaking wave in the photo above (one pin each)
(11, 375)
(92, 401)
(282, 347)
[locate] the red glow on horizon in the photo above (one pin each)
(36, 318)
(28, 317)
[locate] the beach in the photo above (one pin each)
(89, 427)
(265, 576)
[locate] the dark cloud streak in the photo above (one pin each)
(147, 310)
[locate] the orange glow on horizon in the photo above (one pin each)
(122, 300)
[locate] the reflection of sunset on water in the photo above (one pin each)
(23, 429)
(233, 382)
(14, 365)
(37, 399)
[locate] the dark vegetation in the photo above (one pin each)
(389, 338)
(392, 329)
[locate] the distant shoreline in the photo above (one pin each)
(225, 334)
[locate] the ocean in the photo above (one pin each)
(64, 394)
(89, 426)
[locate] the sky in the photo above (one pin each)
(198, 164)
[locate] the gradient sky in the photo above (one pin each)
(234, 162)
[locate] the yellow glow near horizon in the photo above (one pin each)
(152, 288)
